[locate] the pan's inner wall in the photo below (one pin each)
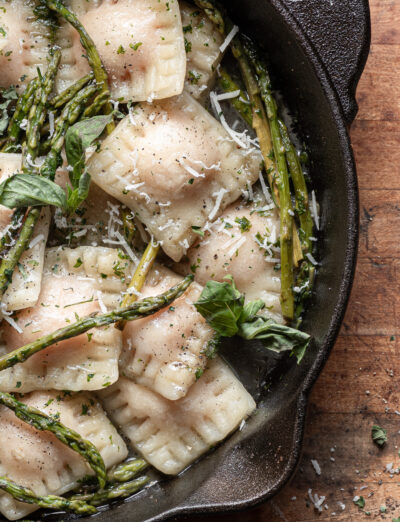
(253, 461)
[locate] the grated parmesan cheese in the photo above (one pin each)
(219, 196)
(229, 38)
(314, 209)
(228, 95)
(103, 307)
(36, 240)
(316, 466)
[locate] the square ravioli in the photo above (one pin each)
(24, 42)
(39, 461)
(97, 221)
(25, 286)
(166, 351)
(172, 434)
(244, 243)
(76, 283)
(202, 43)
(176, 166)
(140, 43)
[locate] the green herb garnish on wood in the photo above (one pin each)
(379, 435)
(224, 308)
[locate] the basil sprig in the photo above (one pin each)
(223, 307)
(27, 190)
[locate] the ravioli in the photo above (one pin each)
(23, 43)
(172, 434)
(96, 222)
(139, 41)
(202, 44)
(76, 283)
(25, 286)
(176, 167)
(38, 460)
(243, 243)
(165, 352)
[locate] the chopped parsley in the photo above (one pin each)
(120, 50)
(188, 46)
(199, 373)
(244, 224)
(194, 78)
(197, 230)
(78, 263)
(19, 384)
(135, 46)
(90, 376)
(359, 502)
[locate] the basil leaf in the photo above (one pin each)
(221, 304)
(276, 337)
(26, 190)
(80, 136)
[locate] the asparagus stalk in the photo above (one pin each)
(98, 103)
(70, 114)
(259, 117)
(112, 492)
(127, 470)
(27, 496)
(281, 181)
(139, 277)
(214, 13)
(135, 311)
(70, 438)
(93, 57)
(123, 472)
(22, 109)
(229, 85)
(65, 96)
(37, 111)
(10, 261)
(129, 224)
(300, 187)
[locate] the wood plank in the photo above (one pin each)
(385, 20)
(377, 153)
(380, 223)
(378, 92)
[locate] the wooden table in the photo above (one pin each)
(360, 383)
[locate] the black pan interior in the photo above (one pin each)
(256, 461)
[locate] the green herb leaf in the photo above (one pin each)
(359, 501)
(222, 305)
(379, 435)
(78, 138)
(25, 190)
(244, 223)
(197, 230)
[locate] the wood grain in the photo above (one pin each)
(360, 383)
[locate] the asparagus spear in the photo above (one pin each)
(37, 111)
(281, 181)
(65, 96)
(139, 277)
(126, 470)
(22, 109)
(10, 261)
(300, 187)
(215, 14)
(229, 85)
(98, 103)
(27, 496)
(112, 492)
(123, 472)
(93, 57)
(70, 114)
(70, 438)
(143, 308)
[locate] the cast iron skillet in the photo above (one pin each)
(317, 50)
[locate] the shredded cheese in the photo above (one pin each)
(229, 38)
(228, 95)
(36, 240)
(219, 196)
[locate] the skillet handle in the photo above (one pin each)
(340, 31)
